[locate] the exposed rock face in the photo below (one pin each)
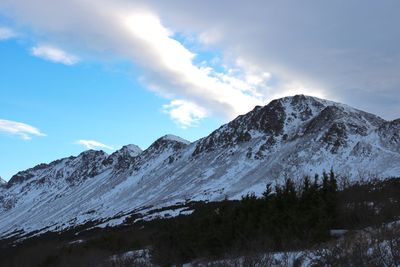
(389, 133)
(268, 120)
(291, 136)
(124, 158)
(164, 143)
(73, 169)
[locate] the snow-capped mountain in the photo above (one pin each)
(292, 136)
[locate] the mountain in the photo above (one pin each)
(2, 182)
(291, 136)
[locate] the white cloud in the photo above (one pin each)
(20, 129)
(176, 75)
(283, 47)
(355, 59)
(7, 33)
(54, 54)
(135, 33)
(184, 113)
(91, 144)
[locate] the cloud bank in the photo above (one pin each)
(349, 50)
(20, 129)
(346, 51)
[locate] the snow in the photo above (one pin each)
(338, 232)
(139, 257)
(49, 199)
(273, 259)
(175, 138)
(167, 214)
(133, 150)
(78, 241)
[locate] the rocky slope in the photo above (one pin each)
(292, 136)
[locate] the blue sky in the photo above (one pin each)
(88, 101)
(101, 74)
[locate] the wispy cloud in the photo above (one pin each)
(184, 113)
(92, 144)
(54, 54)
(20, 129)
(7, 33)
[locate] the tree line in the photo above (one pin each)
(287, 216)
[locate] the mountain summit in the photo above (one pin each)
(291, 136)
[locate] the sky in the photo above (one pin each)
(97, 74)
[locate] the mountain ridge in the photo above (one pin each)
(291, 136)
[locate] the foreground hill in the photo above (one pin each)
(292, 136)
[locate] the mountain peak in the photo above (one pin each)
(167, 141)
(174, 138)
(123, 157)
(92, 153)
(131, 150)
(287, 118)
